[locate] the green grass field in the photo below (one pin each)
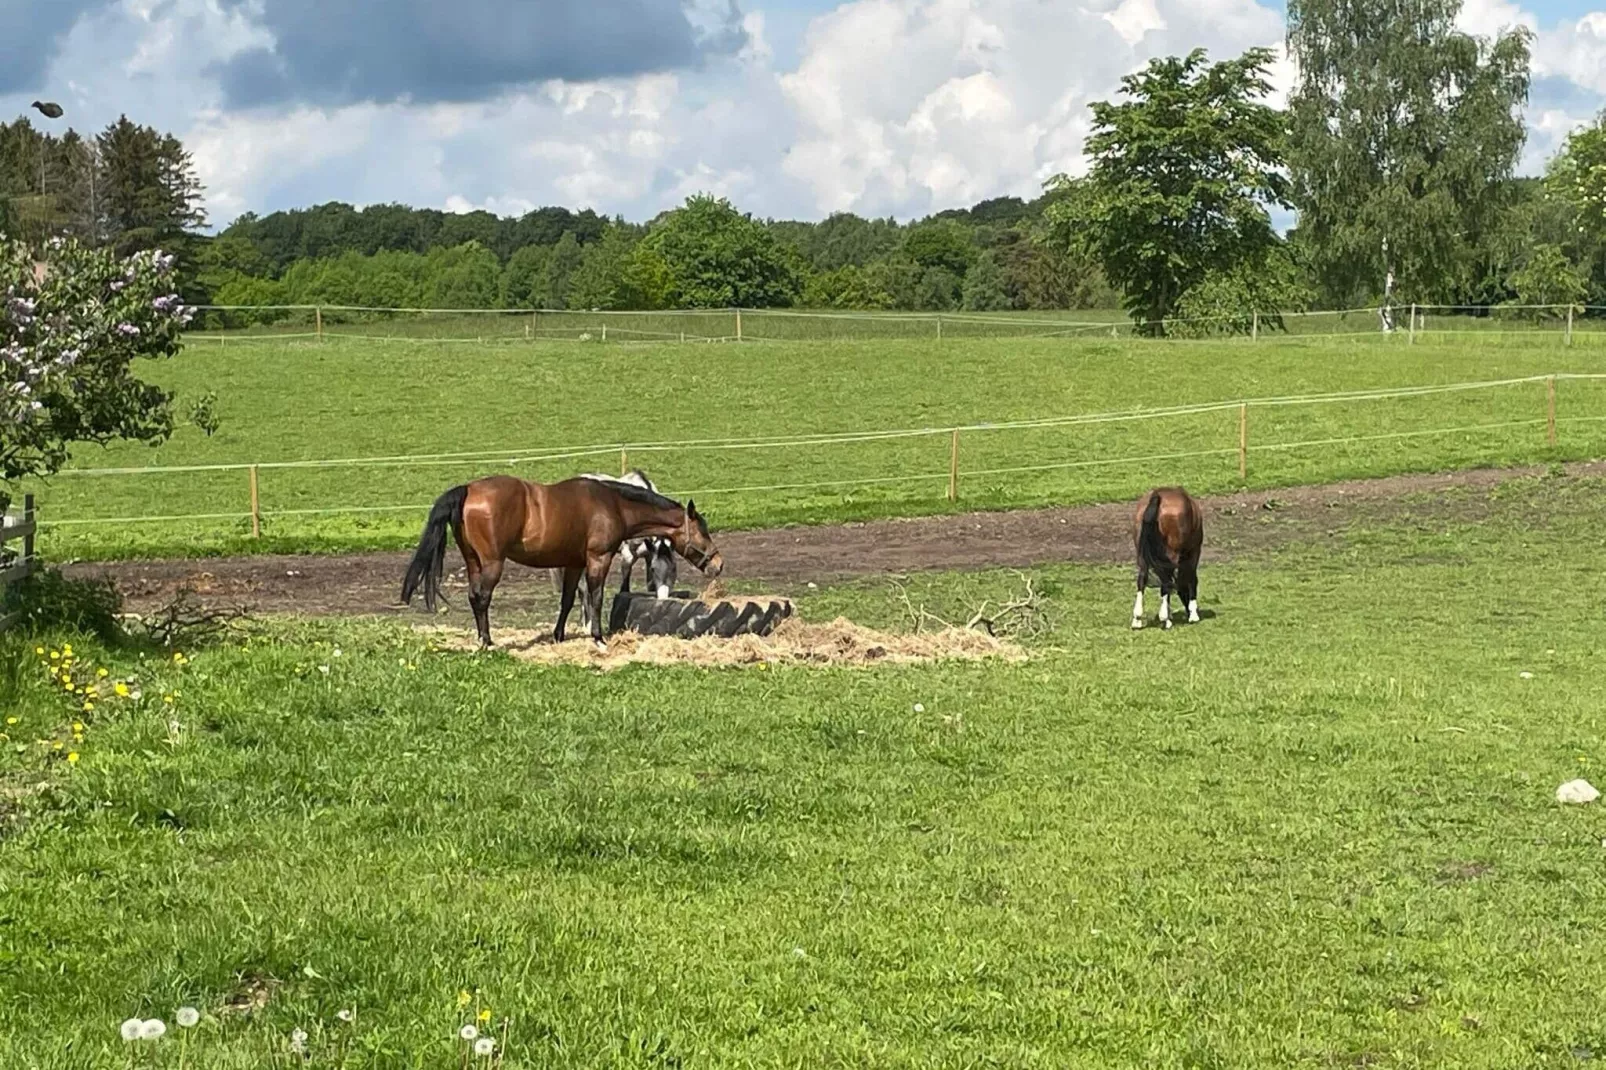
(1316, 830)
(299, 401)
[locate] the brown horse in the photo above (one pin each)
(1167, 534)
(576, 525)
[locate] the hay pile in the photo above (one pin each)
(794, 642)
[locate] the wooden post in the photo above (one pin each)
(604, 332)
(256, 507)
(682, 337)
(939, 328)
(27, 518)
(738, 325)
(624, 461)
(953, 468)
(1254, 327)
(1569, 324)
(1550, 410)
(1243, 440)
(1412, 336)
(318, 319)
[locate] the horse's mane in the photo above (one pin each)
(635, 493)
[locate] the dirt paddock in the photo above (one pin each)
(1235, 524)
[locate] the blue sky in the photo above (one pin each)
(792, 108)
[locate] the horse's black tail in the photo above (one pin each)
(429, 560)
(1151, 546)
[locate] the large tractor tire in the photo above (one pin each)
(689, 618)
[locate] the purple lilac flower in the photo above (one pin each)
(128, 330)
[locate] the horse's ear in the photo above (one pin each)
(691, 507)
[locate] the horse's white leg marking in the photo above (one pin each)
(1137, 611)
(1193, 611)
(1165, 610)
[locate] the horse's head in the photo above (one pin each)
(692, 541)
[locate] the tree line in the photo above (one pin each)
(1395, 154)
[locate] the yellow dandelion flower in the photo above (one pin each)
(485, 1015)
(89, 707)
(55, 655)
(463, 997)
(11, 720)
(121, 689)
(66, 685)
(78, 726)
(102, 673)
(72, 757)
(56, 745)
(167, 699)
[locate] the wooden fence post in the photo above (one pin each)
(953, 467)
(738, 325)
(1243, 440)
(1569, 324)
(28, 518)
(1254, 327)
(1550, 410)
(318, 320)
(1412, 336)
(939, 328)
(256, 507)
(624, 461)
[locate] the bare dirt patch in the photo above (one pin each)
(1235, 524)
(795, 642)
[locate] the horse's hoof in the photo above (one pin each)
(1193, 618)
(1166, 625)
(602, 648)
(1137, 622)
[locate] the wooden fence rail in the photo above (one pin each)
(16, 566)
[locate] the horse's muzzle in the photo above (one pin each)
(713, 566)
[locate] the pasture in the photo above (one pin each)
(778, 432)
(1317, 829)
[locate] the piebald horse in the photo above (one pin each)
(1167, 534)
(576, 525)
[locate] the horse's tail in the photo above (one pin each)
(1151, 544)
(429, 560)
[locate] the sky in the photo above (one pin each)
(791, 108)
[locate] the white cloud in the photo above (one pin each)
(1575, 51)
(914, 105)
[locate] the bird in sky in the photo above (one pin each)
(49, 109)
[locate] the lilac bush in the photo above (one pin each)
(70, 332)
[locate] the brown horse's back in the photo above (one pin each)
(541, 525)
(1180, 521)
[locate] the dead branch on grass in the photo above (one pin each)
(185, 621)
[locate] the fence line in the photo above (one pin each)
(560, 453)
(905, 479)
(15, 567)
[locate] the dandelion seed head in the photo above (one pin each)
(345, 1015)
(152, 1029)
(468, 1032)
(129, 1030)
(484, 1046)
(187, 1017)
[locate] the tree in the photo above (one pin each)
(1402, 132)
(1230, 302)
(986, 287)
(1575, 182)
(1548, 277)
(1182, 175)
(152, 196)
(937, 290)
(464, 276)
(720, 258)
(565, 260)
(847, 287)
(68, 344)
(941, 243)
(521, 279)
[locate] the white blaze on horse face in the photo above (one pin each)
(1193, 611)
(1137, 611)
(663, 590)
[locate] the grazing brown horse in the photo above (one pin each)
(1167, 534)
(576, 525)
